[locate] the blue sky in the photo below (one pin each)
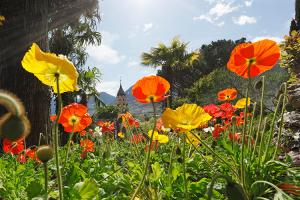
(130, 27)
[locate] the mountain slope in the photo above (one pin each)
(107, 98)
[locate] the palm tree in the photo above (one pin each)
(172, 60)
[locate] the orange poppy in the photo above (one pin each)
(260, 56)
(87, 145)
(74, 117)
(107, 127)
(150, 88)
(227, 94)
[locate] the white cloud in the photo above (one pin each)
(148, 27)
(274, 38)
(105, 53)
(248, 3)
(110, 87)
(221, 24)
(243, 19)
(210, 1)
(132, 63)
(219, 10)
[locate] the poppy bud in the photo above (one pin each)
(258, 85)
(234, 191)
(178, 151)
(14, 127)
(44, 153)
(233, 119)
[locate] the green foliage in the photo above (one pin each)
(109, 112)
(205, 90)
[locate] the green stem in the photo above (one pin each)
(245, 128)
(170, 166)
(69, 144)
(215, 154)
(148, 156)
(184, 169)
(46, 180)
(261, 142)
(281, 120)
(260, 116)
(272, 128)
(59, 179)
(251, 126)
(202, 156)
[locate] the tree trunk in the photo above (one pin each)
(26, 22)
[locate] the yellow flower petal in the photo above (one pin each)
(46, 66)
(158, 137)
(185, 117)
(162, 139)
(241, 103)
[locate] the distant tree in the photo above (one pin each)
(109, 112)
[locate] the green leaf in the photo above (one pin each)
(176, 171)
(87, 189)
(157, 171)
(34, 189)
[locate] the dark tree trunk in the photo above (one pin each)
(26, 22)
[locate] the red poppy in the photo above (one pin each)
(13, 147)
(227, 94)
(87, 145)
(234, 137)
(228, 110)
(290, 188)
(218, 129)
(21, 158)
(91, 131)
(107, 127)
(150, 88)
(137, 138)
(129, 120)
(257, 57)
(74, 117)
(30, 152)
(213, 110)
(53, 118)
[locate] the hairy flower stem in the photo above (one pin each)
(59, 102)
(170, 166)
(272, 129)
(215, 154)
(260, 115)
(281, 120)
(69, 144)
(186, 195)
(148, 155)
(245, 127)
(46, 179)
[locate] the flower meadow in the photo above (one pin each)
(230, 150)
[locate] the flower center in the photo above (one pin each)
(73, 120)
(251, 61)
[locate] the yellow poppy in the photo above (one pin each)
(191, 139)
(158, 137)
(185, 117)
(47, 67)
(121, 135)
(241, 103)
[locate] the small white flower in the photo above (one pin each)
(209, 129)
(98, 132)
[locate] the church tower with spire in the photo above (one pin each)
(121, 99)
